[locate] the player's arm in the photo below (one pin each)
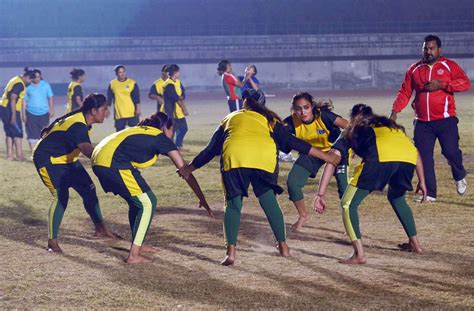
(86, 149)
(135, 94)
(13, 99)
(77, 96)
(319, 202)
(421, 186)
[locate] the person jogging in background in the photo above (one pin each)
(232, 85)
(12, 100)
(435, 79)
(56, 160)
(388, 158)
(156, 90)
(124, 93)
(75, 93)
(38, 108)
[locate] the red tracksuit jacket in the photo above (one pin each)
(431, 106)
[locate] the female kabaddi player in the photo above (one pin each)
(314, 122)
(388, 158)
(248, 141)
(116, 160)
(55, 158)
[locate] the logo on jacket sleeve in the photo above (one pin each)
(440, 71)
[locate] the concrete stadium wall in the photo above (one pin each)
(287, 75)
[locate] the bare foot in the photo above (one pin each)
(138, 259)
(181, 149)
(53, 246)
(228, 261)
(409, 247)
(102, 232)
(283, 249)
(354, 260)
(10, 159)
(298, 225)
(147, 249)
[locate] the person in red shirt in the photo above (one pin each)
(232, 85)
(434, 79)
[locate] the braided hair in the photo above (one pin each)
(92, 101)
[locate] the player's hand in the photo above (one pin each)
(433, 85)
(51, 114)
(185, 171)
(208, 209)
(138, 110)
(319, 204)
(23, 118)
(13, 120)
(421, 189)
(332, 158)
(393, 116)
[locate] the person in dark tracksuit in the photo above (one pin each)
(434, 79)
(116, 160)
(56, 160)
(388, 158)
(248, 141)
(314, 122)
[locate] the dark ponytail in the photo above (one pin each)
(362, 118)
(28, 73)
(91, 101)
(159, 120)
(222, 66)
(76, 73)
(255, 101)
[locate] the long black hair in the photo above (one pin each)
(28, 73)
(362, 118)
(255, 101)
(91, 101)
(159, 120)
(316, 104)
(222, 66)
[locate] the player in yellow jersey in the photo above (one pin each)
(248, 141)
(156, 90)
(124, 93)
(388, 158)
(56, 160)
(75, 93)
(116, 160)
(314, 122)
(11, 105)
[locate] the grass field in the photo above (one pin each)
(186, 273)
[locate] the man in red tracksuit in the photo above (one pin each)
(434, 79)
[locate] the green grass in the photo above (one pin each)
(186, 272)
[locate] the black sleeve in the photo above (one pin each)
(17, 89)
(213, 148)
(163, 144)
(289, 125)
(328, 118)
(135, 94)
(183, 92)
(78, 133)
(153, 90)
(342, 146)
(77, 92)
(110, 95)
(287, 142)
(170, 97)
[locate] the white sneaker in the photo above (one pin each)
(461, 186)
(418, 199)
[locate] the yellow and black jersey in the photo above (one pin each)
(245, 139)
(14, 86)
(124, 95)
(157, 87)
(73, 90)
(381, 144)
(59, 146)
(321, 133)
(172, 91)
(134, 147)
